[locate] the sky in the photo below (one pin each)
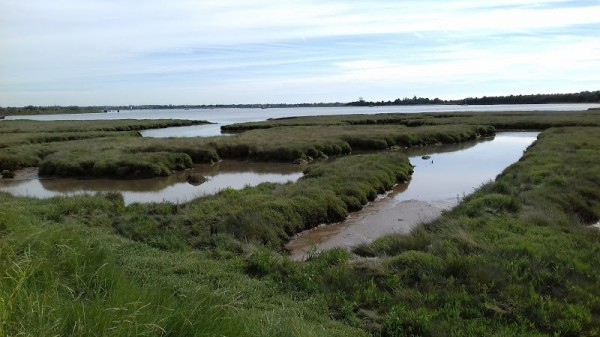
(122, 52)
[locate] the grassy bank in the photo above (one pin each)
(270, 213)
(525, 120)
(289, 143)
(60, 280)
(84, 148)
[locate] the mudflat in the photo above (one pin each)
(380, 218)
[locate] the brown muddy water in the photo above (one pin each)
(437, 184)
(175, 188)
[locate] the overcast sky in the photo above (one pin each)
(104, 52)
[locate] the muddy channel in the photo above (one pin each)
(439, 182)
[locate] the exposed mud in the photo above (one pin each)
(380, 218)
(443, 176)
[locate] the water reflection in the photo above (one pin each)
(205, 130)
(175, 188)
(438, 183)
(448, 175)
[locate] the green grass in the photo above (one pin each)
(269, 213)
(111, 149)
(39, 110)
(62, 280)
(515, 258)
(75, 127)
(530, 120)
(106, 284)
(57, 147)
(63, 272)
(83, 148)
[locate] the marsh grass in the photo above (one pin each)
(288, 143)
(525, 120)
(270, 213)
(81, 148)
(29, 143)
(112, 149)
(64, 273)
(515, 258)
(59, 280)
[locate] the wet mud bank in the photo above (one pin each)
(442, 176)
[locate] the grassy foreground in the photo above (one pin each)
(69, 268)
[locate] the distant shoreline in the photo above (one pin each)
(570, 98)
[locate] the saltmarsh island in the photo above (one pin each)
(516, 257)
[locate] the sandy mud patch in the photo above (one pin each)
(382, 217)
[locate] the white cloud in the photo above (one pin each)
(72, 45)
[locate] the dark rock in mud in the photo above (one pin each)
(196, 179)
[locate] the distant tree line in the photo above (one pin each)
(405, 101)
(580, 97)
(241, 106)
(47, 110)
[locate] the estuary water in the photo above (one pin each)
(438, 183)
(225, 116)
(175, 188)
